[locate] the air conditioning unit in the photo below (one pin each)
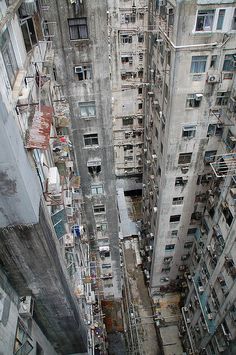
(213, 78)
(148, 162)
(154, 156)
(185, 169)
(210, 316)
(150, 93)
(78, 69)
(26, 306)
(70, 211)
(188, 320)
(155, 209)
(200, 289)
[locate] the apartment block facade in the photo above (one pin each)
(82, 69)
(50, 279)
(127, 26)
(192, 72)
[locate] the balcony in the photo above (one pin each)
(202, 296)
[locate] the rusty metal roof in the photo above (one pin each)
(39, 133)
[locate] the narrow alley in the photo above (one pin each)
(142, 337)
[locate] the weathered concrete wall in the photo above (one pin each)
(9, 302)
(94, 51)
(167, 114)
(31, 256)
(18, 182)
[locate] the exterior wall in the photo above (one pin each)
(93, 51)
(167, 114)
(9, 321)
(128, 59)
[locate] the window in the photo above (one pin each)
(198, 64)
(78, 28)
(101, 227)
(127, 121)
(222, 98)
(22, 345)
(174, 233)
(204, 20)
(87, 109)
(94, 167)
(175, 218)
(140, 73)
(140, 56)
(193, 100)
(140, 38)
(129, 158)
(97, 189)
(84, 72)
(177, 201)
(229, 62)
(188, 245)
(220, 20)
(191, 231)
(210, 156)
(184, 158)
(169, 246)
(90, 139)
(126, 58)
(28, 31)
(189, 131)
(8, 57)
(180, 181)
(127, 18)
(140, 105)
(126, 39)
(213, 63)
(98, 209)
(215, 130)
(140, 90)
(233, 26)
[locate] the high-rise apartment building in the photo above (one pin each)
(80, 39)
(189, 147)
(127, 26)
(191, 66)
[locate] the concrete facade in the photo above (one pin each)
(89, 99)
(127, 24)
(185, 107)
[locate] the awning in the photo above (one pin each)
(39, 134)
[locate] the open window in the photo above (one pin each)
(205, 20)
(94, 167)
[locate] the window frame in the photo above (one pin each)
(228, 62)
(206, 16)
(78, 27)
(220, 19)
(86, 72)
(196, 60)
(175, 218)
(189, 131)
(169, 247)
(222, 98)
(193, 101)
(97, 189)
(101, 209)
(86, 106)
(7, 52)
(185, 156)
(91, 136)
(32, 42)
(176, 200)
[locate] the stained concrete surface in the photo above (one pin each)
(142, 303)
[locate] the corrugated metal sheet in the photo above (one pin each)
(39, 134)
